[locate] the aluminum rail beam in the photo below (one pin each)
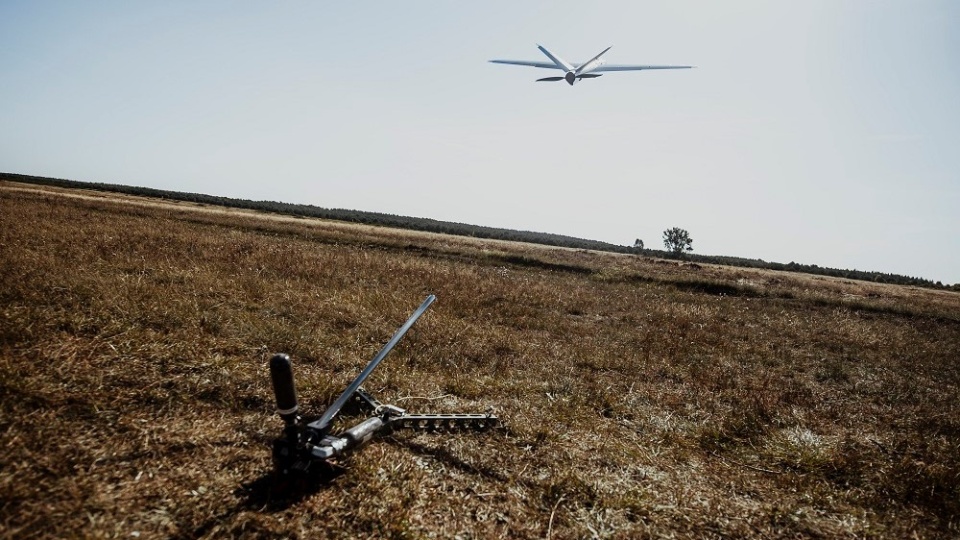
(324, 421)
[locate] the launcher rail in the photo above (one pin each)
(303, 443)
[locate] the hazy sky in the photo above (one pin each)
(821, 132)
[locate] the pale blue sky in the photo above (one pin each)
(822, 132)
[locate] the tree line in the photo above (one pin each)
(677, 241)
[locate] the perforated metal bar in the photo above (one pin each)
(445, 422)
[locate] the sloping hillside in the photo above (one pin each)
(641, 397)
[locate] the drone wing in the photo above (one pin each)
(526, 63)
(623, 67)
(558, 63)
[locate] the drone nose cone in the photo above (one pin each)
(570, 77)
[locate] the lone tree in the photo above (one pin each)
(677, 240)
(638, 244)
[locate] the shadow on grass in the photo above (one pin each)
(533, 262)
(704, 286)
(271, 492)
(447, 458)
(274, 492)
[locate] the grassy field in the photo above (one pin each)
(640, 397)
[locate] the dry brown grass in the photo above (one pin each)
(642, 398)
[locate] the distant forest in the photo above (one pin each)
(463, 229)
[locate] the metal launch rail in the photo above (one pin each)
(303, 444)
